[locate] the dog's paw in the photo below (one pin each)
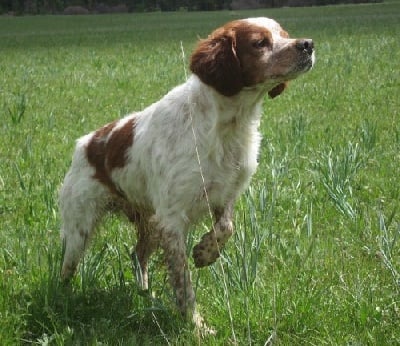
(206, 252)
(201, 326)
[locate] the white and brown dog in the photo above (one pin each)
(193, 151)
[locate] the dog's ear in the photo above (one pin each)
(276, 91)
(215, 62)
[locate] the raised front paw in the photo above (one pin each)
(206, 252)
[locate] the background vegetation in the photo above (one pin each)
(316, 255)
(18, 7)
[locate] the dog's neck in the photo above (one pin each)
(244, 108)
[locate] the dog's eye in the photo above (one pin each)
(261, 43)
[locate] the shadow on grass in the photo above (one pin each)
(118, 314)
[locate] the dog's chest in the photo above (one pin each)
(230, 166)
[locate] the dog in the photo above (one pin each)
(190, 154)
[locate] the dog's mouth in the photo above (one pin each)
(304, 63)
(299, 60)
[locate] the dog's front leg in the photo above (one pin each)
(174, 246)
(211, 244)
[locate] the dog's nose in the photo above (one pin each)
(305, 44)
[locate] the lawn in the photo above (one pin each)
(315, 259)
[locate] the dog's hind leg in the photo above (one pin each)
(82, 202)
(148, 239)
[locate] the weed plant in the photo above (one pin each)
(315, 259)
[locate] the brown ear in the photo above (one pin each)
(215, 62)
(276, 91)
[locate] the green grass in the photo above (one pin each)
(315, 259)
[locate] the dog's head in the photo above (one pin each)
(251, 53)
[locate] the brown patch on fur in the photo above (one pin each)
(227, 59)
(118, 143)
(96, 154)
(252, 43)
(215, 62)
(284, 34)
(107, 150)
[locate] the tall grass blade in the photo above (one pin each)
(389, 237)
(337, 174)
(17, 110)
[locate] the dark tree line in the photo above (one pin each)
(19, 7)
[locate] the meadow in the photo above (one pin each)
(315, 259)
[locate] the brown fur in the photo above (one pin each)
(107, 149)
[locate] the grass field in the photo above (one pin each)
(316, 256)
